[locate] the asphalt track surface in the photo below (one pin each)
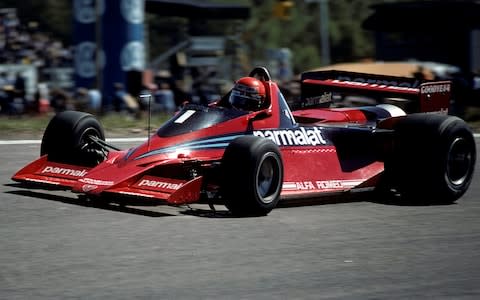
(56, 246)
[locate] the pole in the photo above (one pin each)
(98, 42)
(324, 32)
(149, 96)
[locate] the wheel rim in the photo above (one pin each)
(267, 179)
(459, 162)
(90, 151)
(85, 140)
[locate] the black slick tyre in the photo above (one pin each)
(252, 176)
(66, 139)
(433, 159)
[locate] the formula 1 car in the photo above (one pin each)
(251, 160)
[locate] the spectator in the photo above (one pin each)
(11, 104)
(20, 85)
(41, 102)
(95, 103)
(5, 99)
(164, 98)
(25, 44)
(201, 87)
(419, 73)
(123, 101)
(60, 100)
(82, 99)
(3, 79)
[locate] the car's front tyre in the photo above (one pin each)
(252, 176)
(68, 139)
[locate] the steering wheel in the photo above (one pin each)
(260, 73)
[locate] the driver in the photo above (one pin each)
(248, 94)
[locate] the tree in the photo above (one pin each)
(300, 33)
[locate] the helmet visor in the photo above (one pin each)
(244, 101)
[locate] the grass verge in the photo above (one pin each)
(114, 124)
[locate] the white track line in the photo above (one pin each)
(112, 140)
(32, 142)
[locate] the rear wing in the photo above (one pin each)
(321, 88)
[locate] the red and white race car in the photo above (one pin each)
(251, 160)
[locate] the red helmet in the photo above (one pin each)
(248, 94)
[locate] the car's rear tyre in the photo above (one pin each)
(252, 176)
(67, 139)
(433, 158)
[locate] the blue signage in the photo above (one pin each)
(122, 39)
(85, 41)
(120, 34)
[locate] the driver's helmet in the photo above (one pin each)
(248, 94)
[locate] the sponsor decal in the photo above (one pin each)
(42, 181)
(305, 185)
(310, 136)
(320, 185)
(132, 10)
(84, 59)
(89, 187)
(135, 194)
(85, 11)
(325, 98)
(435, 88)
(159, 184)
(329, 184)
(64, 171)
(379, 85)
(379, 82)
(442, 111)
(95, 181)
(132, 56)
(300, 136)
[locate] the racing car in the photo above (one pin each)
(251, 160)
